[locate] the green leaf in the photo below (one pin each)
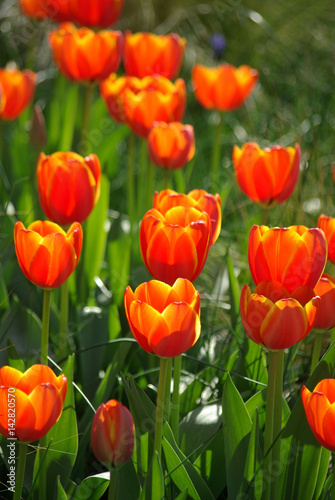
(183, 495)
(180, 469)
(92, 487)
(237, 427)
(129, 486)
(14, 359)
(302, 458)
(142, 408)
(119, 253)
(153, 488)
(61, 495)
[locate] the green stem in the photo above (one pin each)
(164, 363)
(86, 112)
(216, 153)
(64, 316)
(42, 478)
(143, 180)
(316, 350)
(150, 185)
(277, 420)
(167, 177)
(81, 279)
(168, 390)
(332, 335)
(113, 484)
(20, 471)
(265, 212)
(45, 326)
(269, 419)
(174, 420)
(131, 182)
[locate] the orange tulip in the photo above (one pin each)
(112, 434)
(325, 289)
(30, 402)
(148, 54)
(198, 199)
(68, 186)
(223, 88)
(17, 90)
(294, 256)
(165, 320)
(171, 145)
(175, 245)
(46, 254)
(320, 411)
(58, 10)
(327, 224)
(84, 55)
(100, 13)
(111, 91)
(275, 318)
(153, 99)
(266, 176)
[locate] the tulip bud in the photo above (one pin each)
(112, 434)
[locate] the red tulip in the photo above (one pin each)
(68, 186)
(84, 55)
(198, 199)
(224, 88)
(58, 10)
(275, 318)
(112, 434)
(327, 224)
(325, 289)
(320, 411)
(96, 13)
(17, 91)
(171, 145)
(165, 320)
(175, 245)
(46, 254)
(293, 256)
(30, 402)
(149, 54)
(266, 176)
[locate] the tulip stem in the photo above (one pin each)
(20, 471)
(113, 484)
(316, 350)
(131, 182)
(64, 315)
(42, 479)
(151, 185)
(143, 180)
(168, 390)
(86, 113)
(216, 151)
(164, 363)
(332, 495)
(273, 419)
(174, 420)
(45, 326)
(167, 177)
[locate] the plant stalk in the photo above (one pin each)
(64, 316)
(45, 326)
(174, 420)
(113, 484)
(163, 370)
(316, 350)
(20, 471)
(216, 153)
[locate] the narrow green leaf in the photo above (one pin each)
(14, 358)
(69, 108)
(92, 487)
(183, 495)
(237, 427)
(142, 408)
(61, 495)
(235, 291)
(119, 253)
(153, 488)
(180, 469)
(129, 486)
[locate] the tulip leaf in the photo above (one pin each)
(183, 495)
(92, 487)
(14, 358)
(237, 426)
(69, 107)
(129, 486)
(61, 495)
(181, 470)
(62, 439)
(4, 297)
(153, 488)
(142, 408)
(119, 253)
(302, 458)
(251, 365)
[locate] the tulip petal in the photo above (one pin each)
(143, 320)
(9, 376)
(25, 417)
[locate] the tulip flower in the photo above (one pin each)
(275, 318)
(327, 224)
(293, 256)
(171, 145)
(175, 245)
(198, 199)
(101, 13)
(47, 254)
(17, 91)
(141, 102)
(223, 88)
(112, 434)
(149, 54)
(266, 176)
(57, 10)
(84, 55)
(325, 289)
(35, 398)
(164, 319)
(68, 186)
(320, 411)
